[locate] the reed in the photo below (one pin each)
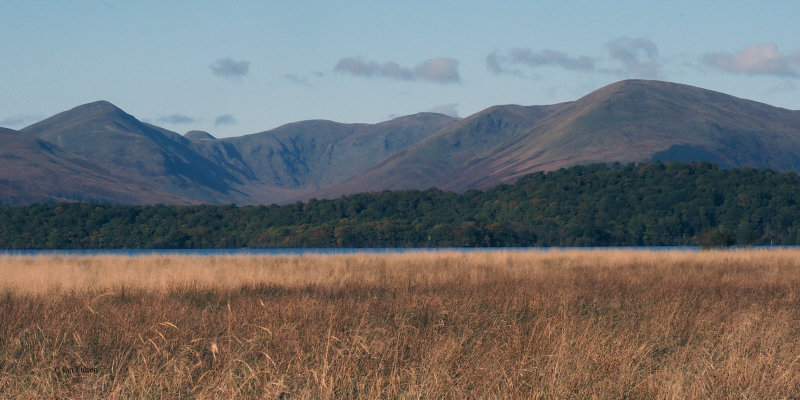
(558, 324)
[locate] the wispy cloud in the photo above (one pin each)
(176, 119)
(551, 57)
(638, 56)
(522, 56)
(446, 109)
(438, 70)
(495, 64)
(760, 59)
(296, 79)
(368, 69)
(230, 68)
(225, 119)
(19, 120)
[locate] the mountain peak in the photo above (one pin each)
(99, 107)
(100, 103)
(96, 111)
(199, 135)
(639, 85)
(652, 90)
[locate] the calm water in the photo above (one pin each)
(313, 251)
(318, 251)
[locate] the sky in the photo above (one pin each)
(239, 67)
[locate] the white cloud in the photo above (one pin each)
(494, 63)
(438, 70)
(761, 59)
(177, 119)
(639, 57)
(502, 63)
(551, 57)
(225, 119)
(358, 67)
(230, 68)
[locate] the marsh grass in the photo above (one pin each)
(562, 324)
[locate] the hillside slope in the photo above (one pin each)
(108, 136)
(318, 153)
(629, 121)
(268, 167)
(32, 170)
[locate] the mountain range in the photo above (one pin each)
(97, 152)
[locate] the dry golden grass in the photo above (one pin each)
(576, 324)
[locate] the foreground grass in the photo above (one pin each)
(583, 324)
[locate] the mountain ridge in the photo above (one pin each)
(261, 168)
(627, 121)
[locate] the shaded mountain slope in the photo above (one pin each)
(273, 166)
(629, 121)
(318, 153)
(443, 158)
(32, 170)
(296, 159)
(103, 133)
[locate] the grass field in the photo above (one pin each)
(561, 324)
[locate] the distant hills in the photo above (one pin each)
(268, 167)
(97, 152)
(628, 121)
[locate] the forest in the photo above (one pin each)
(649, 204)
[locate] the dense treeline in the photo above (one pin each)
(596, 205)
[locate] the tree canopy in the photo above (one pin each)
(650, 204)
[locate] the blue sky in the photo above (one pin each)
(239, 67)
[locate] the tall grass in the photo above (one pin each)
(571, 324)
